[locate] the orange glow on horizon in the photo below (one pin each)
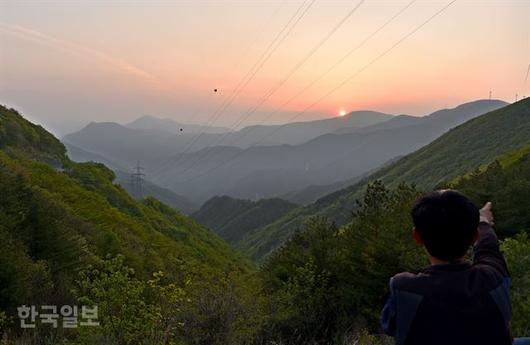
(114, 77)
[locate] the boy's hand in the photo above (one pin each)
(486, 215)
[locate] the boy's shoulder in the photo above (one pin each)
(407, 281)
(440, 279)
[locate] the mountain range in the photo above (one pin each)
(168, 125)
(469, 146)
(296, 156)
(273, 171)
(150, 139)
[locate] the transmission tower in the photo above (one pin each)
(137, 181)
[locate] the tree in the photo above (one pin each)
(131, 311)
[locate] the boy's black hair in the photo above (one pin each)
(446, 221)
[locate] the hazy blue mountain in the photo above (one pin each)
(273, 171)
(169, 125)
(123, 145)
(270, 170)
(395, 122)
(471, 145)
(232, 219)
(150, 139)
(301, 132)
(80, 155)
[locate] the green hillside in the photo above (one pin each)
(58, 218)
(22, 138)
(473, 144)
(123, 178)
(506, 183)
(233, 218)
(325, 278)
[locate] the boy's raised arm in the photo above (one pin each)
(486, 250)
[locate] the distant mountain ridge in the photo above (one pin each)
(169, 125)
(475, 143)
(270, 171)
(149, 138)
(153, 141)
(296, 133)
(395, 122)
(273, 171)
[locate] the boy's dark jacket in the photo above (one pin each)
(460, 303)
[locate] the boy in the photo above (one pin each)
(452, 301)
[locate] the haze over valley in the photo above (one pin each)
(265, 161)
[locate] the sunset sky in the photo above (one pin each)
(64, 64)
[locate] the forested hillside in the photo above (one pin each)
(506, 183)
(233, 218)
(326, 278)
(475, 143)
(59, 219)
(123, 177)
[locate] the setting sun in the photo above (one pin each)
(342, 112)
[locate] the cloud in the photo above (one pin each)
(76, 49)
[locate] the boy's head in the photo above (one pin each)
(446, 222)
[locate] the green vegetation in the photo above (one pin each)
(507, 185)
(517, 252)
(150, 189)
(21, 137)
(473, 144)
(59, 218)
(70, 236)
(328, 282)
(233, 218)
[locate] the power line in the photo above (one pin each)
(344, 82)
(253, 42)
(337, 63)
(259, 36)
(284, 80)
(305, 59)
(278, 39)
(241, 84)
